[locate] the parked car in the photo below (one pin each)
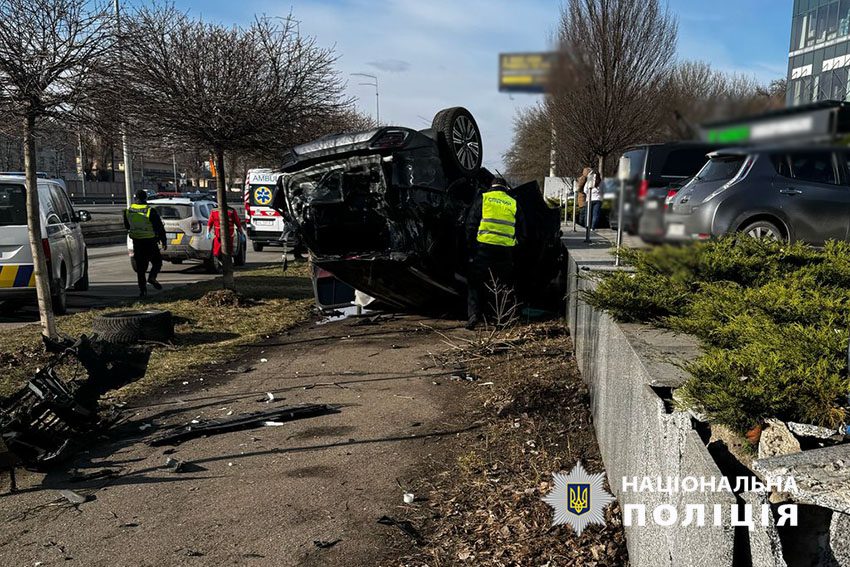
(61, 237)
(652, 169)
(788, 193)
(185, 221)
(383, 211)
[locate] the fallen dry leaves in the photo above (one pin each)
(487, 509)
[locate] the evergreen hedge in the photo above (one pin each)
(773, 319)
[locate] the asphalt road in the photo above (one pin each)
(113, 281)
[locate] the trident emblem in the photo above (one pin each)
(578, 498)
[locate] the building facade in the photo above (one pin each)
(819, 54)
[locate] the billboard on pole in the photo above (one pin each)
(525, 72)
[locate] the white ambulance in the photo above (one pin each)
(265, 225)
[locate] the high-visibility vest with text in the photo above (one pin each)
(498, 219)
(139, 219)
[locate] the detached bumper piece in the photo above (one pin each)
(240, 422)
(41, 422)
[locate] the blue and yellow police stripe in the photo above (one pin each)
(17, 276)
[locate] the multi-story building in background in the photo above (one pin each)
(819, 55)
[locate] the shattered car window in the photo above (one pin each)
(332, 183)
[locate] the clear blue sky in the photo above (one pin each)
(430, 54)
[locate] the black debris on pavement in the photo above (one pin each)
(405, 526)
(322, 544)
(251, 420)
(103, 473)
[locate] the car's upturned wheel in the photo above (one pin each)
(257, 246)
(460, 140)
(763, 230)
(59, 293)
(83, 283)
(134, 326)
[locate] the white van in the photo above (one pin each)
(265, 225)
(61, 237)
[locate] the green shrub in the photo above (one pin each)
(774, 320)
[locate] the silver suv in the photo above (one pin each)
(185, 221)
(783, 193)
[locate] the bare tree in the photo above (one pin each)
(226, 89)
(528, 156)
(696, 93)
(48, 49)
(615, 58)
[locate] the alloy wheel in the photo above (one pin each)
(763, 233)
(465, 142)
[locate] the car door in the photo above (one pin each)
(56, 232)
(810, 190)
(72, 231)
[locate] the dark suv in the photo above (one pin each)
(384, 211)
(784, 193)
(655, 170)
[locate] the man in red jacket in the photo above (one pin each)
(215, 223)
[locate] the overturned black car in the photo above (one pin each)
(383, 211)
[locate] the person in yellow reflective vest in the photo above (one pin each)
(145, 228)
(493, 226)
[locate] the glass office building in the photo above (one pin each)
(819, 55)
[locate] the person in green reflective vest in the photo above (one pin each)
(145, 228)
(493, 225)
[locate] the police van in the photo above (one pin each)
(265, 225)
(61, 239)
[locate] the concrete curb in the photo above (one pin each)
(639, 436)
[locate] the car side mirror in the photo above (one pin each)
(83, 216)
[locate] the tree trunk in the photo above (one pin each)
(601, 168)
(42, 274)
(226, 242)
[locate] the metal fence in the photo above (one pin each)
(112, 192)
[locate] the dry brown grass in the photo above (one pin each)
(487, 509)
(210, 328)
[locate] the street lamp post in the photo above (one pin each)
(128, 162)
(377, 96)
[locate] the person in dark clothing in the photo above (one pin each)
(493, 225)
(146, 231)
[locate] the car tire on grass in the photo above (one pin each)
(459, 139)
(134, 326)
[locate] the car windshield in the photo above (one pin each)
(13, 205)
(173, 212)
(720, 168)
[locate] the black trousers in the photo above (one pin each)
(490, 265)
(146, 251)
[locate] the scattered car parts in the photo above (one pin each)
(251, 420)
(42, 421)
